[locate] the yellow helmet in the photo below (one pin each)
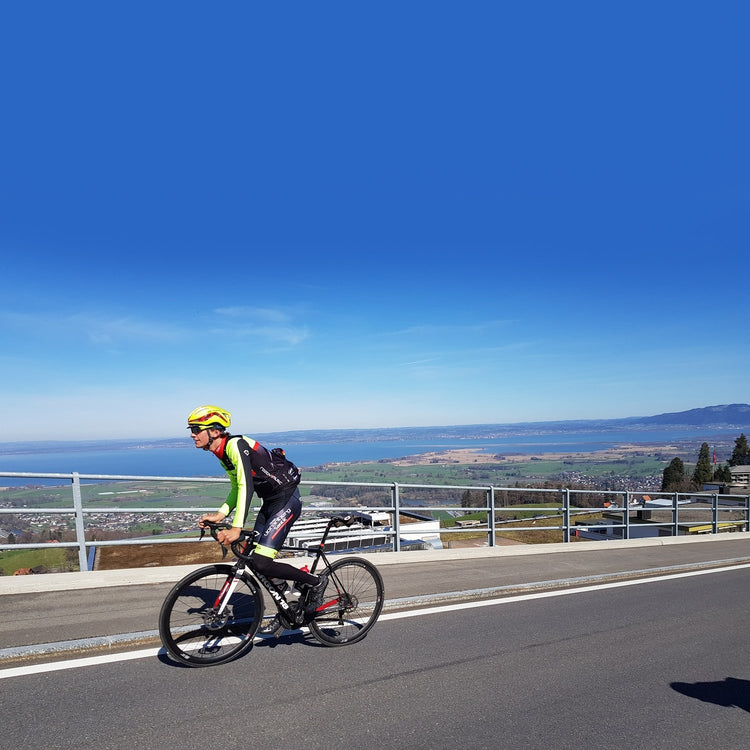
(209, 416)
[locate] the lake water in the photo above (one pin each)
(175, 458)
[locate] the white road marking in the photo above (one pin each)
(557, 592)
(89, 661)
(92, 661)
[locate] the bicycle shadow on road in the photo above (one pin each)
(164, 657)
(729, 692)
(287, 638)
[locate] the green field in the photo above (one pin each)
(586, 472)
(500, 474)
(57, 560)
(119, 494)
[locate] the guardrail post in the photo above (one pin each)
(83, 564)
(626, 519)
(566, 515)
(715, 513)
(675, 526)
(396, 519)
(491, 503)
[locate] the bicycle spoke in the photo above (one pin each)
(199, 628)
(352, 603)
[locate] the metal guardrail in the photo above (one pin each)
(624, 503)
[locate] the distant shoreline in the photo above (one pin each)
(178, 458)
(471, 455)
(714, 422)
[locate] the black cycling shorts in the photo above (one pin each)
(275, 519)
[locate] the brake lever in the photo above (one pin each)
(212, 527)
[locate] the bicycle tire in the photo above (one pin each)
(352, 603)
(191, 629)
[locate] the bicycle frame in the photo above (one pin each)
(242, 548)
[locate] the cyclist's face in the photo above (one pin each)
(200, 439)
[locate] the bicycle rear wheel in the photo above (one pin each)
(199, 627)
(352, 602)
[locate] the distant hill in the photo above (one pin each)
(728, 415)
(724, 418)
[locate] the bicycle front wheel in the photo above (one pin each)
(210, 616)
(352, 602)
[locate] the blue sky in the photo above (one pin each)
(370, 215)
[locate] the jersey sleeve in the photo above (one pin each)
(241, 479)
(231, 501)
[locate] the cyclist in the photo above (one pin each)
(250, 468)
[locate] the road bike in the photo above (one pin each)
(213, 614)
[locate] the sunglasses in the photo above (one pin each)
(195, 429)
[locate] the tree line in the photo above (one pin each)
(676, 479)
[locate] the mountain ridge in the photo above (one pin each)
(723, 416)
(729, 414)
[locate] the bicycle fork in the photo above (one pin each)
(229, 587)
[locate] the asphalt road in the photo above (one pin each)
(47, 616)
(654, 664)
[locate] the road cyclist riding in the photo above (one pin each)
(213, 614)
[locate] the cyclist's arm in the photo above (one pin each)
(241, 478)
(231, 502)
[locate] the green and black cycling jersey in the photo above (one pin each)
(251, 467)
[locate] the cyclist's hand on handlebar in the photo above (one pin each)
(227, 536)
(211, 518)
